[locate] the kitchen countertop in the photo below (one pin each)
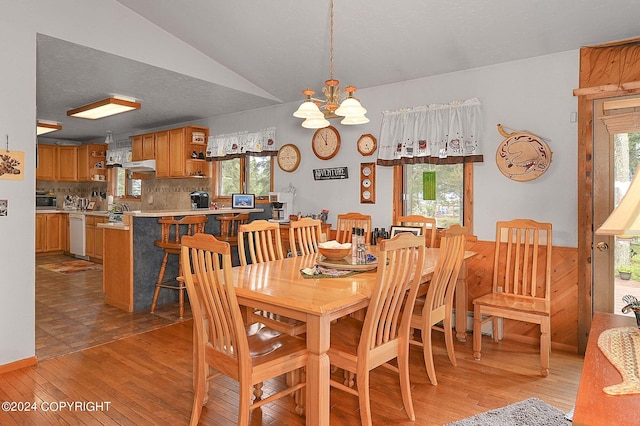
(85, 212)
(160, 213)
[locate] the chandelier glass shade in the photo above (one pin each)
(317, 111)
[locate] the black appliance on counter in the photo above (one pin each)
(199, 200)
(45, 201)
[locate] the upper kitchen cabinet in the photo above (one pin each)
(181, 153)
(92, 160)
(143, 147)
(47, 163)
(67, 163)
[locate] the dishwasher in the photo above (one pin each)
(77, 229)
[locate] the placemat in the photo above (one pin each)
(323, 272)
(621, 346)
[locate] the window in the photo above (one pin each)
(125, 185)
(448, 206)
(248, 174)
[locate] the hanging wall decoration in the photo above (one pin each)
(522, 156)
(12, 165)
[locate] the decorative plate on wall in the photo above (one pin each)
(522, 156)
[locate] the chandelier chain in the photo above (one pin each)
(331, 42)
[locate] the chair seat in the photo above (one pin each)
(172, 248)
(518, 304)
(345, 336)
(280, 323)
(266, 345)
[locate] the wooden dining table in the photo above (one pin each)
(279, 287)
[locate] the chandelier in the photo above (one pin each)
(316, 111)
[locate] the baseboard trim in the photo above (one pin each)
(16, 365)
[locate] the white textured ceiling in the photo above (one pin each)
(282, 46)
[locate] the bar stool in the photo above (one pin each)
(172, 232)
(229, 227)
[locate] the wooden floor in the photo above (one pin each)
(147, 379)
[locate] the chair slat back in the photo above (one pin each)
(304, 236)
(397, 280)
(229, 224)
(428, 225)
(522, 262)
(216, 312)
(174, 229)
(263, 239)
(348, 221)
(450, 258)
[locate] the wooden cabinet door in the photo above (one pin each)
(66, 239)
(68, 163)
(53, 232)
(162, 154)
(99, 236)
(177, 157)
(40, 232)
(47, 163)
(149, 146)
(90, 236)
(83, 163)
(136, 148)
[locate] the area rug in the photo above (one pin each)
(530, 412)
(72, 266)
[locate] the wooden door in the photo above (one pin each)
(40, 232)
(99, 236)
(615, 160)
(68, 163)
(53, 232)
(148, 146)
(136, 148)
(47, 163)
(177, 156)
(83, 163)
(90, 236)
(162, 154)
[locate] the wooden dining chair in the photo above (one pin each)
(265, 245)
(437, 306)
(360, 346)
(172, 231)
(222, 344)
(304, 236)
(347, 221)
(428, 225)
(521, 287)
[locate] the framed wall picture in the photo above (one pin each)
(243, 201)
(395, 230)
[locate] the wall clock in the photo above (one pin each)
(367, 144)
(368, 183)
(288, 158)
(522, 156)
(326, 142)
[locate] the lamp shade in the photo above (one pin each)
(625, 219)
(315, 123)
(350, 107)
(308, 109)
(354, 119)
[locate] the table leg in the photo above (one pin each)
(318, 370)
(461, 304)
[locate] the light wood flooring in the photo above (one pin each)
(147, 379)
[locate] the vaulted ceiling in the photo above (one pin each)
(282, 47)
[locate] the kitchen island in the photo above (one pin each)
(132, 261)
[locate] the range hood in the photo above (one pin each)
(148, 166)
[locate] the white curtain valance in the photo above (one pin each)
(260, 143)
(117, 156)
(438, 133)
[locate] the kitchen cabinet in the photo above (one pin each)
(49, 232)
(181, 145)
(67, 163)
(143, 147)
(92, 160)
(47, 163)
(162, 154)
(94, 236)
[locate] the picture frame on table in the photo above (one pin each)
(243, 201)
(91, 205)
(395, 230)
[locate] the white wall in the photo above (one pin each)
(533, 94)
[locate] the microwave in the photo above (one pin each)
(46, 202)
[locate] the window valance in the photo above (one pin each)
(622, 123)
(234, 145)
(438, 134)
(116, 156)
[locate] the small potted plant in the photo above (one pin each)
(625, 272)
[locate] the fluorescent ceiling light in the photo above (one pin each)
(103, 108)
(43, 127)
